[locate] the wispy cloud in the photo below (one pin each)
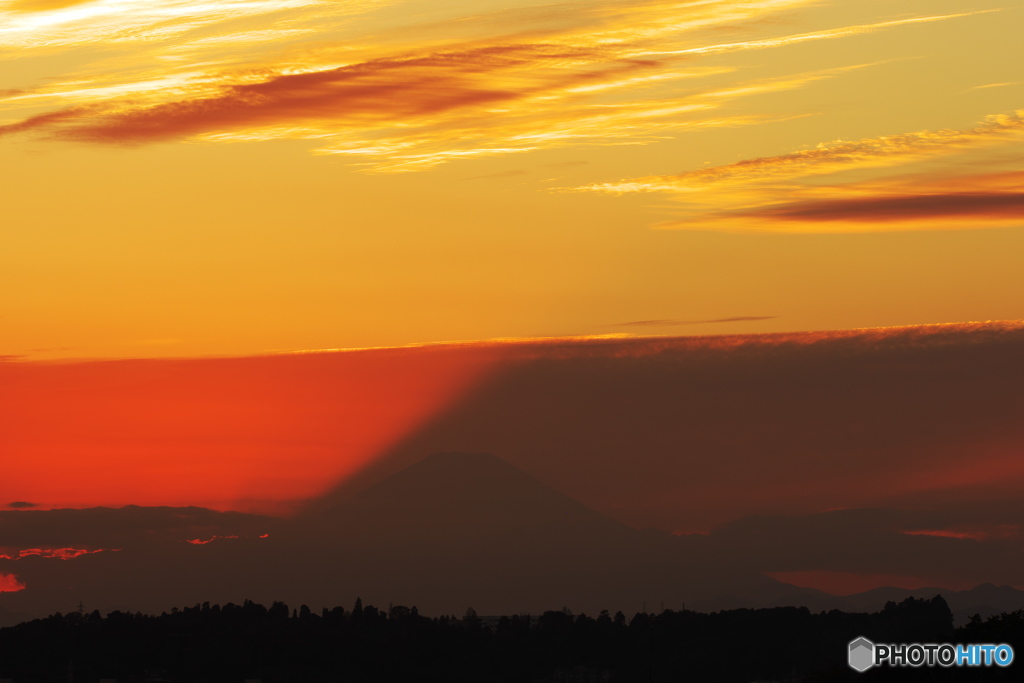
(791, 192)
(816, 35)
(831, 157)
(596, 80)
(668, 323)
(994, 85)
(42, 5)
(56, 553)
(929, 200)
(416, 112)
(37, 24)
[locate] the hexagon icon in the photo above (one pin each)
(862, 654)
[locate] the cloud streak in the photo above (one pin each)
(817, 35)
(982, 205)
(50, 24)
(43, 5)
(592, 83)
(790, 192)
(664, 323)
(832, 157)
(55, 553)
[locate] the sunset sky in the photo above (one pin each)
(252, 247)
(187, 178)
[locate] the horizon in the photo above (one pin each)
(730, 291)
(194, 417)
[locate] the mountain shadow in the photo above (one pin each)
(452, 530)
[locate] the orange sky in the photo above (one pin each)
(187, 178)
(681, 434)
(790, 452)
(247, 433)
(198, 192)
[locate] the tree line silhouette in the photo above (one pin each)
(249, 641)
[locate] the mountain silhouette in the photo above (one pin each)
(466, 497)
(452, 531)
(470, 529)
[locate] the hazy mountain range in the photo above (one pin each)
(449, 532)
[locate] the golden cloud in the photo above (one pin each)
(594, 83)
(773, 194)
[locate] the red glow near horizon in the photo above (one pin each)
(973, 532)
(244, 433)
(56, 553)
(211, 539)
(846, 583)
(267, 434)
(9, 583)
(946, 533)
(199, 541)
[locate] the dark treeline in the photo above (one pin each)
(236, 642)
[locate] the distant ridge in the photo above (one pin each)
(453, 530)
(985, 599)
